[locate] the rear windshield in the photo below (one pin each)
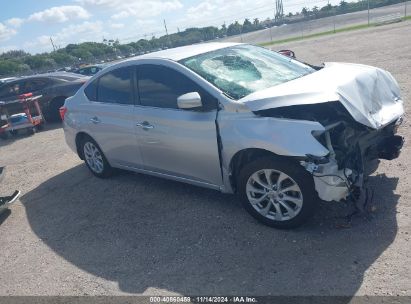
(243, 69)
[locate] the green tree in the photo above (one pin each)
(62, 58)
(234, 29)
(247, 26)
(343, 6)
(315, 11)
(8, 67)
(223, 31)
(305, 11)
(14, 54)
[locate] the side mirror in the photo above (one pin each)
(189, 101)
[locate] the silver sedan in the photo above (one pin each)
(242, 119)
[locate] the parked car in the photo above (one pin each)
(287, 53)
(90, 70)
(55, 88)
(240, 119)
(4, 80)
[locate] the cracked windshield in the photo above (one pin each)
(244, 69)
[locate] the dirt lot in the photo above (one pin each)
(73, 234)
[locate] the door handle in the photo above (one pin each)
(145, 125)
(95, 120)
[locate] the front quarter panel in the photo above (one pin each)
(284, 137)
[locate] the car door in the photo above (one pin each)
(12, 90)
(35, 86)
(110, 117)
(173, 141)
(6, 90)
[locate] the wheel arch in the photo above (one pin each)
(244, 156)
(79, 138)
(51, 111)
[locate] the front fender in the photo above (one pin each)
(285, 137)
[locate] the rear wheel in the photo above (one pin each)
(31, 130)
(13, 132)
(4, 135)
(95, 159)
(277, 192)
(40, 127)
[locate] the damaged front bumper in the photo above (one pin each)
(337, 180)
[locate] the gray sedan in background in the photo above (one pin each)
(237, 118)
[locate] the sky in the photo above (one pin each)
(29, 24)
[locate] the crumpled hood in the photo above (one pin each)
(371, 95)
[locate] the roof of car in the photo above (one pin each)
(183, 52)
(62, 75)
(8, 79)
(66, 76)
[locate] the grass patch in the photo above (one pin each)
(341, 30)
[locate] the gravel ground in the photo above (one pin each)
(73, 234)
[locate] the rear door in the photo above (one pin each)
(110, 116)
(35, 85)
(174, 141)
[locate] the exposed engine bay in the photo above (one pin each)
(354, 149)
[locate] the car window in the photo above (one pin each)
(33, 85)
(5, 90)
(160, 87)
(243, 69)
(116, 87)
(91, 90)
(11, 89)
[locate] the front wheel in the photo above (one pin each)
(95, 159)
(277, 192)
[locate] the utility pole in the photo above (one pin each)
(302, 30)
(271, 33)
(52, 43)
(405, 8)
(168, 38)
(368, 3)
(165, 26)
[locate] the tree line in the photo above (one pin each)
(18, 62)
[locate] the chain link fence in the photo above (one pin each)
(306, 28)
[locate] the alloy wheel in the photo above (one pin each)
(274, 194)
(93, 157)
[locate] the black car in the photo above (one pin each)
(55, 88)
(90, 70)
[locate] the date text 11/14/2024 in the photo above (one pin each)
(202, 299)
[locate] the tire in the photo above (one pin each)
(95, 159)
(52, 114)
(4, 135)
(288, 203)
(13, 132)
(40, 127)
(31, 131)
